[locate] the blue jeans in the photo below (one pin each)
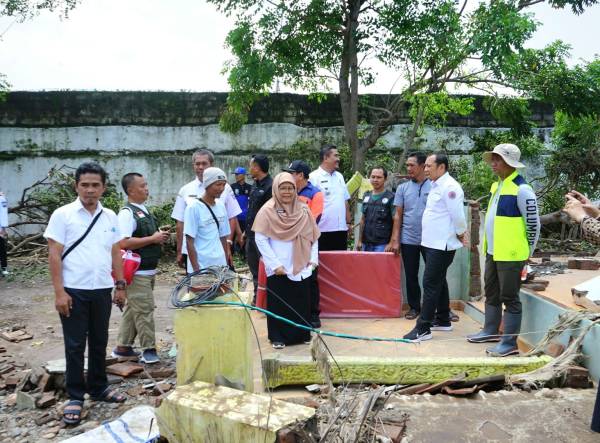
(369, 247)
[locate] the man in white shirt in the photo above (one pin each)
(189, 193)
(444, 231)
(335, 220)
(3, 235)
(83, 242)
(141, 235)
(205, 225)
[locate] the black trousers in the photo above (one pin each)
(315, 295)
(411, 258)
(333, 241)
(3, 248)
(89, 319)
(436, 298)
(290, 300)
(502, 282)
(253, 257)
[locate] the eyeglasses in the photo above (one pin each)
(287, 188)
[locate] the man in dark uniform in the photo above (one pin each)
(241, 190)
(259, 195)
(379, 223)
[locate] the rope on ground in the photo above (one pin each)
(558, 367)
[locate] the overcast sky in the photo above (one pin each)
(175, 45)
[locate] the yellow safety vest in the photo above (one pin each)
(510, 233)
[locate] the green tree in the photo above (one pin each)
(432, 44)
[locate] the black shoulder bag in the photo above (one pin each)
(80, 239)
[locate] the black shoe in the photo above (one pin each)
(315, 323)
(411, 314)
(439, 325)
(419, 334)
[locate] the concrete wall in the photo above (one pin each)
(154, 133)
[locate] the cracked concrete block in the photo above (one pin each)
(215, 341)
(204, 412)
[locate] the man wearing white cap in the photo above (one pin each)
(512, 228)
(205, 224)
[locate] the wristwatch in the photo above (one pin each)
(120, 285)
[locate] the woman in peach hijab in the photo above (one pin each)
(286, 236)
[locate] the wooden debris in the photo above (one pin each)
(125, 369)
(16, 336)
(410, 390)
(162, 388)
(462, 391)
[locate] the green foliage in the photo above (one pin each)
(531, 147)
(24, 9)
(512, 112)
(475, 176)
(162, 213)
(437, 106)
(575, 163)
(59, 190)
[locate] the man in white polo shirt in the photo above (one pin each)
(189, 193)
(83, 243)
(444, 231)
(336, 212)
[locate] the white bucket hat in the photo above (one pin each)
(510, 153)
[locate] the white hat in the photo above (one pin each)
(510, 154)
(211, 175)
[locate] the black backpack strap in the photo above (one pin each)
(80, 239)
(211, 213)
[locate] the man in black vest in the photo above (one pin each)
(141, 234)
(379, 223)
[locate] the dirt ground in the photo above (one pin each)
(26, 299)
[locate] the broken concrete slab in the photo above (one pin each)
(202, 412)
(300, 370)
(25, 401)
(60, 366)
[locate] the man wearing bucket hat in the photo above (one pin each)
(512, 228)
(205, 224)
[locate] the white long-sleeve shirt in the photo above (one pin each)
(276, 253)
(444, 215)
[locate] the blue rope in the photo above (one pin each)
(307, 328)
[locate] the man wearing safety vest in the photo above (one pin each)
(512, 228)
(141, 235)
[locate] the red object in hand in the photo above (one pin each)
(131, 263)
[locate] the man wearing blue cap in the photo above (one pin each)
(241, 190)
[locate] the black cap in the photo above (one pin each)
(298, 166)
